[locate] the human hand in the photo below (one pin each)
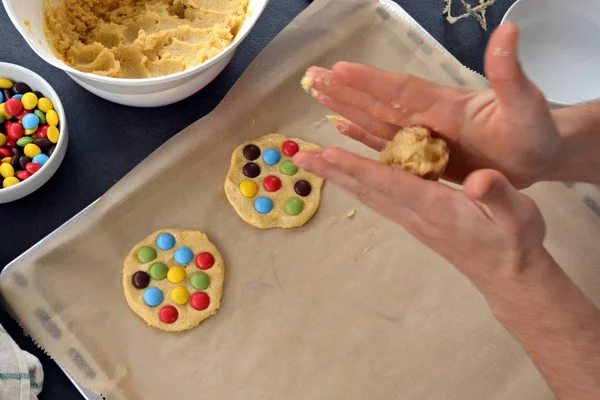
(489, 232)
(508, 128)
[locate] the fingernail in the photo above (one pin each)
(306, 83)
(499, 51)
(333, 118)
(300, 161)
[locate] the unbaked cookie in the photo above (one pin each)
(173, 279)
(416, 151)
(266, 189)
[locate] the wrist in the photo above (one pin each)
(577, 159)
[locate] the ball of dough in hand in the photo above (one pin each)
(416, 151)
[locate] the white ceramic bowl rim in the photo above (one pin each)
(57, 107)
(516, 14)
(249, 22)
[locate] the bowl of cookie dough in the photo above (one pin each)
(134, 52)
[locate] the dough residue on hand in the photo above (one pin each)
(140, 38)
(416, 151)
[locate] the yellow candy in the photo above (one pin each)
(2, 139)
(7, 160)
(7, 170)
(3, 112)
(31, 150)
(30, 131)
(45, 105)
(10, 181)
(180, 295)
(29, 101)
(176, 274)
(248, 189)
(53, 134)
(52, 118)
(5, 83)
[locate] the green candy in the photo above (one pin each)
(288, 167)
(146, 254)
(1, 119)
(41, 116)
(24, 141)
(293, 206)
(200, 280)
(158, 271)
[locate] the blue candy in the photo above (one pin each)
(153, 296)
(31, 121)
(40, 159)
(183, 255)
(1, 98)
(17, 96)
(263, 205)
(271, 156)
(165, 241)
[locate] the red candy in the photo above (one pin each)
(5, 152)
(32, 167)
(22, 175)
(15, 131)
(290, 148)
(272, 183)
(22, 114)
(205, 260)
(13, 107)
(11, 143)
(200, 301)
(168, 314)
(42, 132)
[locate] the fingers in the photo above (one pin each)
(372, 125)
(503, 204)
(353, 131)
(504, 72)
(325, 82)
(398, 99)
(372, 182)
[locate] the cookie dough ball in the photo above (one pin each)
(416, 151)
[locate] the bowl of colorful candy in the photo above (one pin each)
(33, 132)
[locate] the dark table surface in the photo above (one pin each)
(108, 140)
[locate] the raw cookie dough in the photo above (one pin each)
(416, 151)
(140, 38)
(173, 279)
(266, 189)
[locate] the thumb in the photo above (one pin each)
(504, 72)
(503, 204)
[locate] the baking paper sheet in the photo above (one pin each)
(343, 308)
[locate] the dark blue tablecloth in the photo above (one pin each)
(108, 140)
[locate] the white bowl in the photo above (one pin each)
(150, 92)
(559, 47)
(19, 74)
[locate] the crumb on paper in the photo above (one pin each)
(306, 83)
(351, 214)
(27, 23)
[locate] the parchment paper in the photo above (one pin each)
(339, 309)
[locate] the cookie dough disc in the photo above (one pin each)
(416, 151)
(266, 189)
(180, 273)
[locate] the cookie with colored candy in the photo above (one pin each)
(266, 189)
(173, 279)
